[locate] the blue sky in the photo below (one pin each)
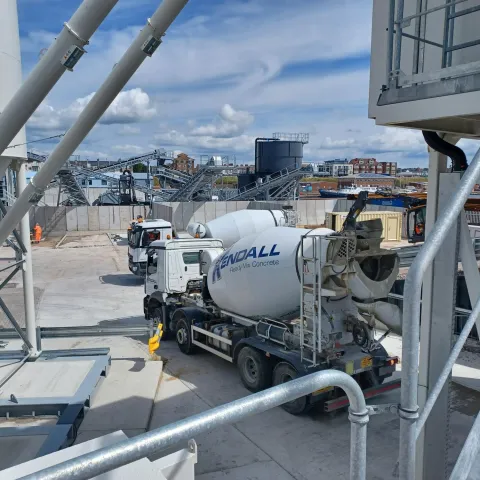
(227, 72)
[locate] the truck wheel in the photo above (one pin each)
(284, 372)
(255, 370)
(184, 336)
(157, 317)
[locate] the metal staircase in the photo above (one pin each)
(67, 183)
(282, 180)
(201, 181)
(287, 191)
(112, 182)
(161, 170)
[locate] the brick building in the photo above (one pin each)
(363, 165)
(370, 165)
(184, 163)
(367, 180)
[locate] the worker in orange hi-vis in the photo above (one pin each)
(37, 232)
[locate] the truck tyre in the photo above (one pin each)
(284, 372)
(255, 370)
(156, 316)
(184, 336)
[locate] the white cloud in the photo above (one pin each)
(129, 130)
(330, 143)
(130, 106)
(231, 123)
(129, 149)
(397, 140)
(216, 145)
(229, 74)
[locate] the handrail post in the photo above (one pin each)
(469, 453)
(112, 457)
(408, 410)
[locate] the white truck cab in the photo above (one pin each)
(174, 268)
(140, 236)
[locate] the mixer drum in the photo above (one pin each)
(258, 275)
(235, 225)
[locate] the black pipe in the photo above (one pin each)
(459, 159)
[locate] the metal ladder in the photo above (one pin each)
(311, 300)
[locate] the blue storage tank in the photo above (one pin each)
(274, 155)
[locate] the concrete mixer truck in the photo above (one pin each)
(283, 303)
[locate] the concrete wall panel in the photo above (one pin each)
(302, 212)
(210, 211)
(56, 221)
(242, 205)
(114, 217)
(104, 217)
(93, 219)
(311, 212)
(31, 217)
(184, 215)
(198, 212)
(39, 217)
(82, 219)
(125, 217)
(72, 219)
(174, 214)
(220, 209)
(231, 206)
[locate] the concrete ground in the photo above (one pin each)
(92, 285)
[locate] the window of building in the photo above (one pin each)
(104, 182)
(90, 182)
(84, 182)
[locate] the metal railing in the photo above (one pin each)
(408, 411)
(460, 319)
(109, 458)
(398, 76)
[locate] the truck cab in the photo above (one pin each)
(174, 268)
(140, 236)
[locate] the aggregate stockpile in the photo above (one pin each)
(281, 303)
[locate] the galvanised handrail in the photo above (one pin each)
(408, 410)
(112, 457)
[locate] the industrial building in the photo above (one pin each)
(334, 168)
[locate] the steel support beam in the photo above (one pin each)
(436, 331)
(27, 267)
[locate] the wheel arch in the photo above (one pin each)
(191, 314)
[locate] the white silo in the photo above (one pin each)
(10, 81)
